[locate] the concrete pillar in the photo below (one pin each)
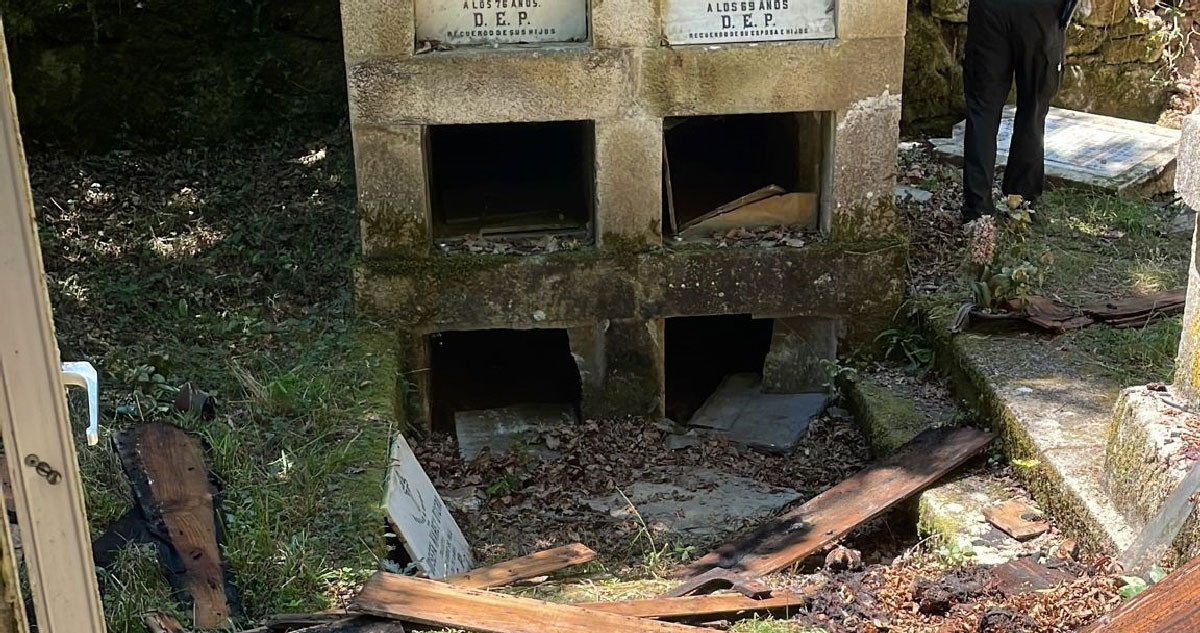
(1187, 183)
(798, 347)
(393, 200)
(620, 367)
(628, 181)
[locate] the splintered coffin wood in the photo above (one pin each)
(435, 603)
(170, 479)
(702, 608)
(832, 514)
(1171, 606)
(1018, 519)
(531, 566)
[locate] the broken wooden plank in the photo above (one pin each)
(832, 514)
(788, 209)
(1155, 304)
(1018, 519)
(1172, 605)
(718, 578)
(753, 196)
(159, 622)
(292, 621)
(1025, 574)
(672, 223)
(531, 566)
(702, 608)
(355, 624)
(169, 474)
(434, 603)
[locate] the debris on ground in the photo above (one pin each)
(167, 469)
(531, 566)
(705, 608)
(739, 410)
(1018, 519)
(513, 245)
(718, 578)
(834, 513)
(1054, 317)
(1172, 604)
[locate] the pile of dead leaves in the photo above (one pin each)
(526, 502)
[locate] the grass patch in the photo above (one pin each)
(1135, 355)
(771, 625)
(228, 268)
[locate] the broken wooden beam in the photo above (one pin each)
(531, 566)
(832, 514)
(753, 196)
(434, 603)
(718, 578)
(703, 608)
(169, 475)
(1171, 605)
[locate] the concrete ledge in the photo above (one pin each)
(566, 83)
(579, 288)
(952, 514)
(770, 77)
(888, 419)
(580, 83)
(1052, 412)
(1144, 461)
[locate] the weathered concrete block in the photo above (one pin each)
(1146, 458)
(1187, 174)
(864, 169)
(568, 83)
(393, 204)
(374, 29)
(620, 367)
(888, 419)
(690, 80)
(625, 24)
(950, 10)
(866, 20)
(798, 347)
(1146, 49)
(628, 181)
(1102, 12)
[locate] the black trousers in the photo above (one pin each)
(1007, 39)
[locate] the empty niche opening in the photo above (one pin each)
(703, 351)
(490, 387)
(511, 179)
(742, 171)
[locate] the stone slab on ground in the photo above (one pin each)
(740, 411)
(1099, 151)
(500, 429)
(1151, 447)
(952, 513)
(1052, 409)
(698, 502)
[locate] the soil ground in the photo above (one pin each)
(229, 267)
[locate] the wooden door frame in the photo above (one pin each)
(38, 444)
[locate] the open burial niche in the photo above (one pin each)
(496, 387)
(507, 179)
(757, 381)
(725, 172)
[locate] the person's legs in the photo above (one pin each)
(987, 77)
(1039, 42)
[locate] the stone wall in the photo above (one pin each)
(1120, 60)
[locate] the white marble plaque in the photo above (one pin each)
(474, 22)
(414, 507)
(726, 21)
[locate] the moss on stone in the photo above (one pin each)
(888, 420)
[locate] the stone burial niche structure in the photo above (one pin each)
(581, 209)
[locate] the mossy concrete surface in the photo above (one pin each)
(1052, 409)
(1147, 458)
(888, 418)
(951, 514)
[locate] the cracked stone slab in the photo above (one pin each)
(698, 502)
(1090, 149)
(739, 410)
(952, 512)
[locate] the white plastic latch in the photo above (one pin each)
(82, 374)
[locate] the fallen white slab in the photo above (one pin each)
(697, 502)
(415, 509)
(739, 410)
(1089, 149)
(499, 429)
